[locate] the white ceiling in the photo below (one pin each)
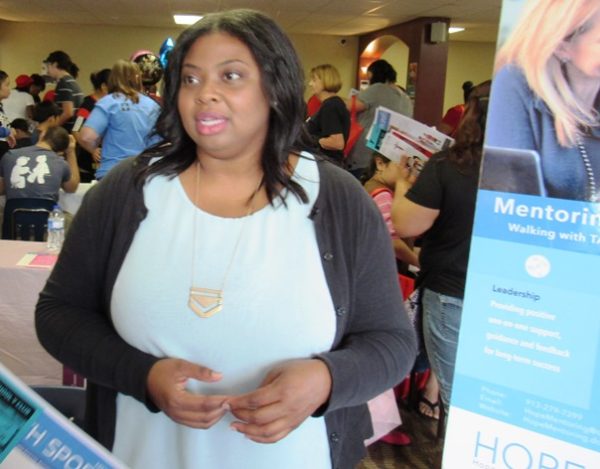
(336, 17)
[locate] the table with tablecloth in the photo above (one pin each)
(20, 350)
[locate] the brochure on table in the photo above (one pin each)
(393, 135)
(526, 390)
(35, 435)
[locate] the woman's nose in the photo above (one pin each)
(207, 92)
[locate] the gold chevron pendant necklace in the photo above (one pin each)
(206, 302)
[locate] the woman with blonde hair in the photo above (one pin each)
(546, 94)
(331, 124)
(122, 121)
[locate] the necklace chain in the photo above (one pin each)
(589, 170)
(207, 302)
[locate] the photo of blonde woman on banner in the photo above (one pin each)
(526, 388)
(545, 94)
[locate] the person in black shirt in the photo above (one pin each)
(441, 206)
(85, 160)
(331, 124)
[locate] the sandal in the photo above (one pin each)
(432, 406)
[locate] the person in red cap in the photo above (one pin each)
(50, 96)
(19, 104)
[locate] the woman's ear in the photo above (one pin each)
(563, 52)
(379, 163)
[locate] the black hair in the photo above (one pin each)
(100, 78)
(467, 87)
(382, 72)
(63, 61)
(57, 137)
(370, 171)
(20, 124)
(44, 110)
(3, 76)
(282, 80)
(38, 81)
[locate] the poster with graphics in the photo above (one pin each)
(526, 389)
(34, 435)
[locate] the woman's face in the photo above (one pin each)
(584, 50)
(316, 84)
(52, 70)
(221, 101)
(4, 88)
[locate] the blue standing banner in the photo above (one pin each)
(526, 390)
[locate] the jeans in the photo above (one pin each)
(441, 323)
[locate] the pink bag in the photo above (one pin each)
(385, 415)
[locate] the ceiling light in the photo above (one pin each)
(186, 19)
(454, 29)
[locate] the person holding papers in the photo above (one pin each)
(241, 303)
(382, 91)
(441, 205)
(546, 94)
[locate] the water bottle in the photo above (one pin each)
(56, 229)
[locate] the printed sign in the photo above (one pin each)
(35, 435)
(526, 389)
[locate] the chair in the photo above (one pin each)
(68, 400)
(29, 224)
(26, 219)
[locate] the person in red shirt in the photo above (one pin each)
(312, 105)
(454, 115)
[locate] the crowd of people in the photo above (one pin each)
(203, 166)
(114, 122)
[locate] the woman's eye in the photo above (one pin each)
(190, 80)
(232, 76)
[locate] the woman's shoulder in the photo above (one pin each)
(122, 176)
(334, 102)
(110, 100)
(331, 172)
(511, 76)
(148, 101)
(381, 193)
(340, 187)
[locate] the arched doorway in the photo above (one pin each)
(389, 48)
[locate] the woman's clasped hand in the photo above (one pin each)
(289, 394)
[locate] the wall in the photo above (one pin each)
(397, 56)
(23, 47)
(472, 61)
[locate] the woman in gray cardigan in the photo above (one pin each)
(163, 287)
